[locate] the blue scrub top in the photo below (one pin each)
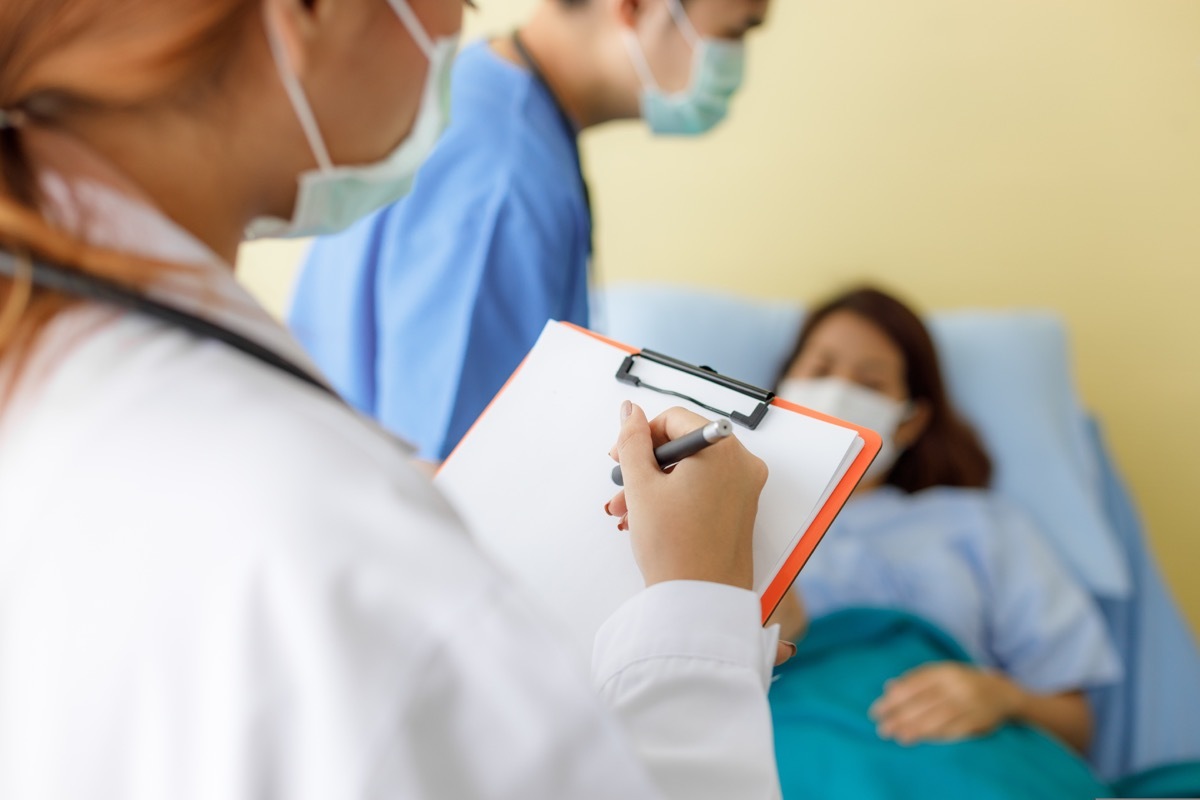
(419, 314)
(974, 567)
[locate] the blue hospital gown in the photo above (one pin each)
(420, 313)
(976, 568)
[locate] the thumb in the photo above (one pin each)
(635, 448)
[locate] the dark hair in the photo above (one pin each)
(948, 452)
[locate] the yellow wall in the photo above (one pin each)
(969, 153)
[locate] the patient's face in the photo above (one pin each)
(851, 347)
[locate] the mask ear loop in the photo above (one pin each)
(690, 35)
(416, 30)
(295, 93)
(684, 23)
(910, 412)
(640, 65)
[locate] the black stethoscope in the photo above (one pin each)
(72, 282)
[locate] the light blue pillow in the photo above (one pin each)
(1008, 372)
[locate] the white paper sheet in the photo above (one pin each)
(532, 477)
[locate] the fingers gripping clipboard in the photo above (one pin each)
(532, 475)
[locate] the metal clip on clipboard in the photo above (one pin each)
(702, 381)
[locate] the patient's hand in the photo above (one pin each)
(942, 702)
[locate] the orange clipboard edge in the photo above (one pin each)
(872, 443)
(816, 531)
(799, 556)
(603, 338)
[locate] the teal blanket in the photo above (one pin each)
(827, 745)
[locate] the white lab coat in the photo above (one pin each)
(216, 582)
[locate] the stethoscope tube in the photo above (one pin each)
(74, 283)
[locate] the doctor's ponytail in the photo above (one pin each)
(61, 60)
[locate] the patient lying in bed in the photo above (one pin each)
(1011, 637)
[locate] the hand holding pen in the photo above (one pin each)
(695, 522)
(689, 444)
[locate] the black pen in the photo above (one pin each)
(689, 444)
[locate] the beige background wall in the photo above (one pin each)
(1001, 153)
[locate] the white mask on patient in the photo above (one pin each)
(853, 403)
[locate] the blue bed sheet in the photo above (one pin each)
(827, 745)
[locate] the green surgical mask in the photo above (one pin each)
(717, 69)
(331, 198)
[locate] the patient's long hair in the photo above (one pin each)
(948, 452)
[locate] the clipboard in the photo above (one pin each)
(531, 476)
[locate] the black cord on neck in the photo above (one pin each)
(71, 282)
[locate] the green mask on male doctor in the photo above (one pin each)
(718, 66)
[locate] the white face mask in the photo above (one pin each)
(717, 69)
(853, 403)
(332, 198)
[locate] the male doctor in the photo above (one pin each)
(448, 289)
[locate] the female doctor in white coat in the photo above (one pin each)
(215, 580)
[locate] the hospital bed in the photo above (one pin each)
(1009, 373)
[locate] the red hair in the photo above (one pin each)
(61, 58)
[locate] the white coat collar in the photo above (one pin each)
(105, 216)
(100, 207)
